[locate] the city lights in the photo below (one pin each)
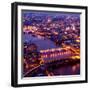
(51, 42)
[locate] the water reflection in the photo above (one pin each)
(67, 70)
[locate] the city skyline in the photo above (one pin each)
(53, 38)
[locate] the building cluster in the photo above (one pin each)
(62, 30)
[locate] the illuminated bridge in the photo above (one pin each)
(57, 54)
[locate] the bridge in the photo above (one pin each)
(56, 54)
